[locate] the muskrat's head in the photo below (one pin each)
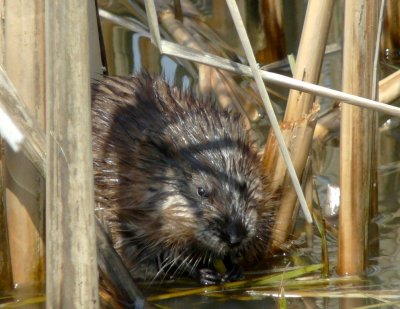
(214, 201)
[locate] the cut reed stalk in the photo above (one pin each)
(23, 59)
(71, 263)
(357, 136)
(300, 116)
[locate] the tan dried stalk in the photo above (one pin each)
(71, 263)
(357, 138)
(275, 46)
(300, 116)
(390, 41)
(23, 59)
(6, 282)
(389, 87)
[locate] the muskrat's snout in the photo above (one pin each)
(234, 234)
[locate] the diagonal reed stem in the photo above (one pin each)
(267, 103)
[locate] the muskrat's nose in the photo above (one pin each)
(236, 233)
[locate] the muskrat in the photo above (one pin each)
(178, 180)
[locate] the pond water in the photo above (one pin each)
(129, 52)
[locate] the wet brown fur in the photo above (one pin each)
(154, 148)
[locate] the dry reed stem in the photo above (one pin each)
(310, 56)
(297, 135)
(328, 123)
(116, 277)
(389, 87)
(357, 138)
(205, 80)
(23, 59)
(275, 46)
(153, 24)
(299, 113)
(6, 282)
(71, 263)
(391, 35)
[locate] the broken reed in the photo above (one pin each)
(300, 117)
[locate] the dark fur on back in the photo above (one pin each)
(178, 180)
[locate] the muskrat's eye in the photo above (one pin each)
(202, 192)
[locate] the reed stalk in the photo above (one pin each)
(23, 59)
(300, 116)
(6, 282)
(357, 136)
(390, 42)
(275, 46)
(116, 278)
(5, 272)
(71, 263)
(389, 87)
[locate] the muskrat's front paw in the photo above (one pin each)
(208, 276)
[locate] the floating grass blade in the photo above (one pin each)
(321, 226)
(282, 300)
